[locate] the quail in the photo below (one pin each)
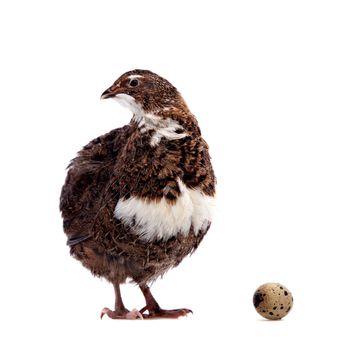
(140, 198)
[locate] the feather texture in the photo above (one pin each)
(142, 193)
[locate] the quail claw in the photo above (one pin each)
(127, 315)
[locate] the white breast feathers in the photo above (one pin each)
(161, 220)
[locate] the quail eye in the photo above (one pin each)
(134, 82)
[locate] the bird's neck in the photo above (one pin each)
(160, 124)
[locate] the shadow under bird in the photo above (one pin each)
(139, 199)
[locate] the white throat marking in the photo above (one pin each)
(166, 128)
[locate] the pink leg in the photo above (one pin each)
(120, 312)
(155, 311)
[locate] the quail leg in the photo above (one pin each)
(155, 311)
(120, 311)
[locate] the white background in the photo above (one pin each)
(269, 82)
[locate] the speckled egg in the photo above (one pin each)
(273, 301)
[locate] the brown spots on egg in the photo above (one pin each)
(257, 299)
(272, 301)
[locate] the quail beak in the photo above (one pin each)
(111, 92)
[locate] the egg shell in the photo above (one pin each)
(273, 301)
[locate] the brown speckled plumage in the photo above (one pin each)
(123, 163)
